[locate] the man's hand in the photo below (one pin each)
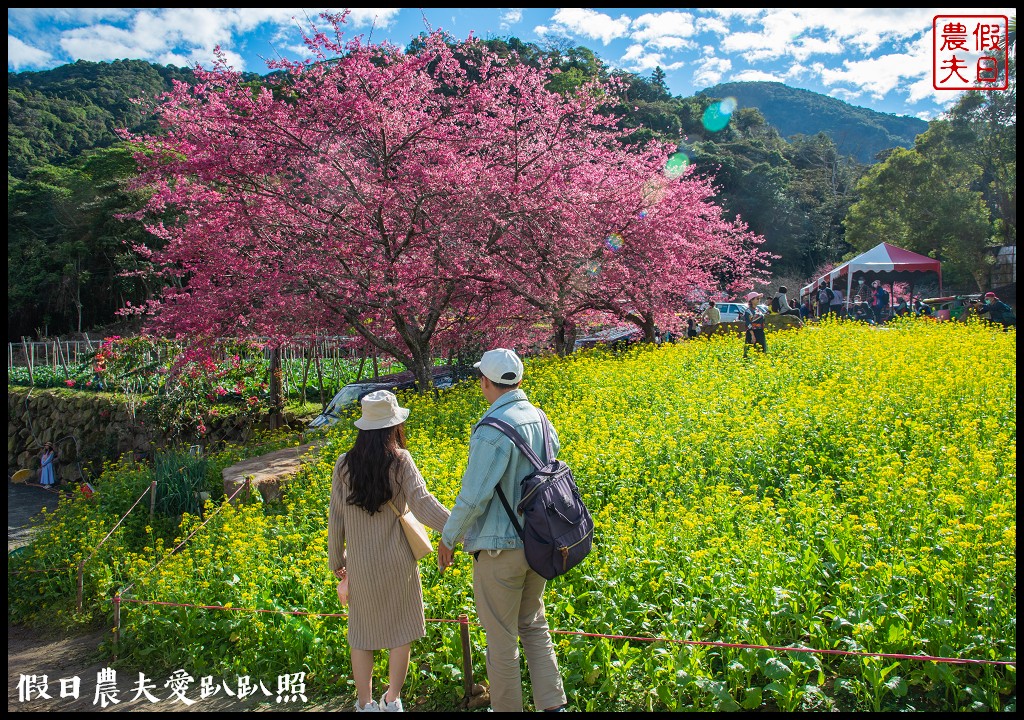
(445, 556)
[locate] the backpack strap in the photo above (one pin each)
(519, 442)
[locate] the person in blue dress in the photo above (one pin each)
(47, 474)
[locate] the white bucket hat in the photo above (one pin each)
(501, 366)
(381, 410)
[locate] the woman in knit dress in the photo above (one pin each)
(366, 544)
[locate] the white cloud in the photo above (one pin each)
(650, 27)
(848, 96)
(712, 25)
(637, 59)
(376, 17)
(710, 71)
(755, 76)
(587, 23)
(187, 36)
(511, 16)
(22, 55)
(781, 32)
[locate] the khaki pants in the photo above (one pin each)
(510, 603)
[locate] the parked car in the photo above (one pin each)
(611, 337)
(730, 310)
(353, 392)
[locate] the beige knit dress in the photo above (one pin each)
(385, 596)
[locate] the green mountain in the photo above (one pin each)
(54, 116)
(856, 131)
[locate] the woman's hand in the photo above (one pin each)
(343, 591)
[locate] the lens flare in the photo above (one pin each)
(717, 116)
(614, 242)
(593, 268)
(676, 164)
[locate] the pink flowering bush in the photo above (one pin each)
(207, 381)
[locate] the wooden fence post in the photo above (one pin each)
(29, 358)
(117, 624)
(475, 695)
(81, 582)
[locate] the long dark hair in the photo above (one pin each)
(369, 466)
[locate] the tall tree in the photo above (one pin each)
(65, 246)
(925, 200)
(375, 190)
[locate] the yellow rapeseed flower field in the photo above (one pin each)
(854, 490)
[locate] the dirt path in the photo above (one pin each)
(33, 655)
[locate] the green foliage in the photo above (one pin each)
(926, 200)
(67, 246)
(180, 478)
(56, 115)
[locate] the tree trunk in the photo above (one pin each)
(564, 336)
(276, 401)
(648, 328)
(422, 368)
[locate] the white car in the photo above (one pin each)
(730, 311)
(351, 394)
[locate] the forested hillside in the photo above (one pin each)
(856, 131)
(68, 172)
(55, 115)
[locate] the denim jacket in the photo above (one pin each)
(478, 519)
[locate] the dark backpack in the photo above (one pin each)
(557, 529)
(776, 307)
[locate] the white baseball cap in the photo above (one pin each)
(502, 366)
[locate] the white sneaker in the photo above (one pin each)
(371, 706)
(386, 706)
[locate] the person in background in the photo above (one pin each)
(837, 303)
(692, 331)
(879, 301)
(806, 311)
(824, 300)
(711, 317)
(784, 307)
(47, 466)
(902, 307)
(366, 546)
(752, 316)
(997, 310)
(861, 311)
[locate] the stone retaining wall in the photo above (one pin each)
(90, 428)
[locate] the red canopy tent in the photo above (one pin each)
(884, 262)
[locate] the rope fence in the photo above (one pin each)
(633, 638)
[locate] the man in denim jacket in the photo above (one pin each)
(509, 595)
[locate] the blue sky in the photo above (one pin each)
(876, 58)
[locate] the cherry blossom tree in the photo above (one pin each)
(415, 199)
(672, 246)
